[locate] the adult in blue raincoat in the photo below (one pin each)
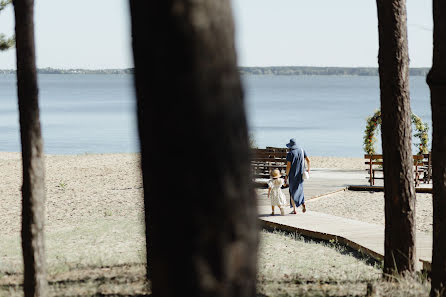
(294, 170)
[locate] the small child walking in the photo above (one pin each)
(275, 191)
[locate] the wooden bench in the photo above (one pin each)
(375, 163)
(263, 161)
(277, 149)
(426, 168)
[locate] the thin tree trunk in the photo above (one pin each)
(33, 189)
(200, 208)
(399, 192)
(437, 83)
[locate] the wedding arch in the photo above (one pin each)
(375, 120)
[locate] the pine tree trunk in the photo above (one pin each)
(399, 192)
(200, 208)
(436, 80)
(33, 189)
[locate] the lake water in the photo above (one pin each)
(79, 114)
(326, 114)
(96, 113)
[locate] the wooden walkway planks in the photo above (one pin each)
(365, 237)
(425, 189)
(359, 235)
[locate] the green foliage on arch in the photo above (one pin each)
(375, 120)
(4, 3)
(5, 43)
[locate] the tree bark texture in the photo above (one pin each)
(200, 207)
(436, 80)
(33, 189)
(399, 191)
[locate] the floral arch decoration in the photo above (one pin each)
(375, 120)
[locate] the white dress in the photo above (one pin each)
(276, 195)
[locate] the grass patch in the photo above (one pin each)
(99, 242)
(293, 257)
(105, 257)
(123, 280)
(293, 265)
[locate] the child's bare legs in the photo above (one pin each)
(304, 209)
(282, 212)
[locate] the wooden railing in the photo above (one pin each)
(421, 163)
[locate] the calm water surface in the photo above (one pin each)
(326, 114)
(95, 113)
(79, 114)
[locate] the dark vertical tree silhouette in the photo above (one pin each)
(33, 189)
(200, 208)
(399, 191)
(436, 80)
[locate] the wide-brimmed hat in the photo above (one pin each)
(292, 144)
(275, 173)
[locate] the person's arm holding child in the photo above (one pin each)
(288, 167)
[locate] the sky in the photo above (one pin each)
(95, 34)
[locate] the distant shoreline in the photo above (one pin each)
(74, 71)
(272, 70)
(332, 71)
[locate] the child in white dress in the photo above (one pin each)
(275, 191)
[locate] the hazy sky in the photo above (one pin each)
(96, 33)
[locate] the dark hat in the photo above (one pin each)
(292, 144)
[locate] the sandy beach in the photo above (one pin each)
(94, 211)
(104, 192)
(78, 187)
(369, 207)
(89, 186)
(340, 163)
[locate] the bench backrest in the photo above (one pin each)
(427, 159)
(378, 159)
(277, 149)
(268, 155)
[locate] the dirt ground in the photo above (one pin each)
(289, 265)
(95, 236)
(369, 207)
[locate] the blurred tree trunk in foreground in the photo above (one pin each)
(33, 189)
(399, 191)
(436, 80)
(200, 208)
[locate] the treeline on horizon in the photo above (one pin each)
(75, 71)
(304, 70)
(273, 70)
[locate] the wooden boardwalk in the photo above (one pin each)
(362, 236)
(365, 237)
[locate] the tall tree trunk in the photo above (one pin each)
(399, 192)
(437, 83)
(33, 189)
(200, 208)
